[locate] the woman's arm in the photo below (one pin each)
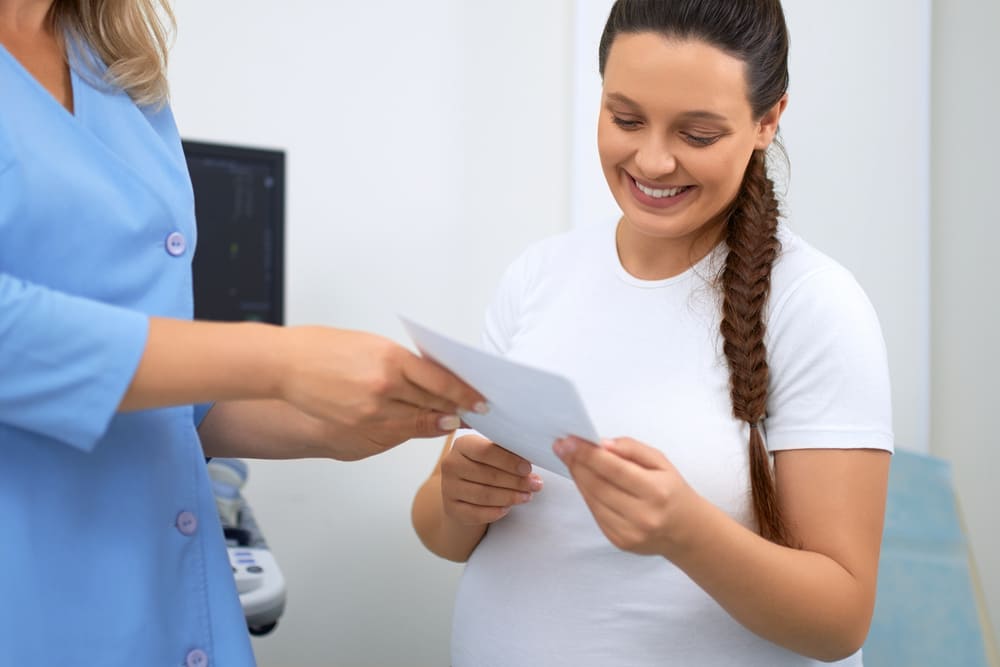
(441, 534)
(273, 429)
(345, 376)
(816, 599)
(197, 362)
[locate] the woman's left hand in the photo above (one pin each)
(639, 499)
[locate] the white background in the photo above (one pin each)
(428, 143)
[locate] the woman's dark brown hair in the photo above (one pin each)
(753, 31)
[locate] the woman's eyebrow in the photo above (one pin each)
(618, 97)
(704, 115)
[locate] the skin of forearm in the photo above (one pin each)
(441, 534)
(802, 600)
(188, 362)
(264, 429)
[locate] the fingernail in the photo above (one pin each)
(564, 446)
(449, 423)
(536, 483)
(481, 408)
(524, 468)
(523, 497)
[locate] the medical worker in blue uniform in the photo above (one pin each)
(111, 552)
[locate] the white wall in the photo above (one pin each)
(965, 239)
(857, 132)
(426, 146)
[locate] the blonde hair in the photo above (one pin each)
(131, 37)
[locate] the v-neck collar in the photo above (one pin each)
(74, 81)
(107, 121)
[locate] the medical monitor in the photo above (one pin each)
(239, 196)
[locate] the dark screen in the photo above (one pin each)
(239, 207)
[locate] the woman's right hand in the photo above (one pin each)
(481, 481)
(361, 379)
(369, 393)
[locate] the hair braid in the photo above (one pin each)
(751, 236)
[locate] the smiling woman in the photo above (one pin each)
(675, 135)
(733, 515)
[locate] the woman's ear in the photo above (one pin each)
(767, 126)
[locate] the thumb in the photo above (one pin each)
(632, 450)
(431, 424)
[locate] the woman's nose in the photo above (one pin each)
(654, 159)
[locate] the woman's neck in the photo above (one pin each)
(29, 36)
(649, 257)
(25, 16)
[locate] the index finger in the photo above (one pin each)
(493, 455)
(599, 462)
(439, 381)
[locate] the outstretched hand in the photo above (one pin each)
(374, 436)
(340, 394)
(358, 379)
(636, 495)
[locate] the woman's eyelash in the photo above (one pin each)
(699, 140)
(693, 139)
(623, 123)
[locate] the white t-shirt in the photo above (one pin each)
(545, 586)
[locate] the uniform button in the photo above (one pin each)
(187, 523)
(196, 658)
(176, 244)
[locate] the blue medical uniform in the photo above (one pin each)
(111, 551)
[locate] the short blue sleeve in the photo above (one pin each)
(67, 361)
(200, 410)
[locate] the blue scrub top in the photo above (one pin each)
(111, 551)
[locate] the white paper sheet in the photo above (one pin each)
(529, 408)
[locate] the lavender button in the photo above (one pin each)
(176, 244)
(196, 658)
(187, 523)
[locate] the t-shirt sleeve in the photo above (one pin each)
(500, 321)
(829, 375)
(67, 361)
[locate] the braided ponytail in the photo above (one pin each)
(755, 32)
(751, 236)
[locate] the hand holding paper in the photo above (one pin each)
(529, 408)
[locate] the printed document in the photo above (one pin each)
(529, 408)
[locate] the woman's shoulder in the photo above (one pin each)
(800, 263)
(587, 238)
(556, 253)
(798, 258)
(806, 276)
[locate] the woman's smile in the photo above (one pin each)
(658, 196)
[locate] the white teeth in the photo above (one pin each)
(658, 194)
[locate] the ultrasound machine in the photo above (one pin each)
(238, 274)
